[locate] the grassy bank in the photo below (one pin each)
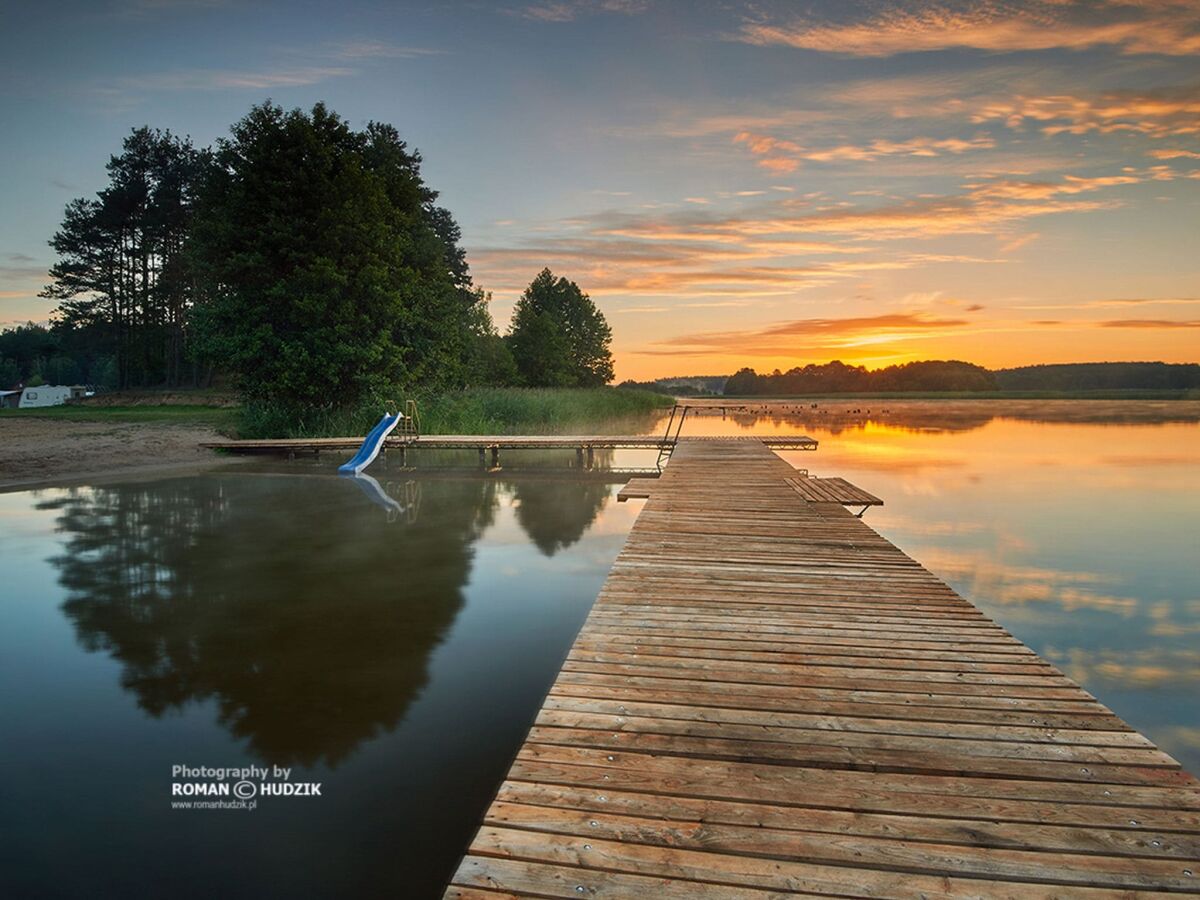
(474, 411)
(220, 418)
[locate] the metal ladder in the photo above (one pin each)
(668, 445)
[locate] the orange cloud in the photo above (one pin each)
(785, 156)
(1174, 154)
(763, 143)
(1165, 112)
(1040, 190)
(1163, 28)
(779, 164)
(806, 336)
(1151, 323)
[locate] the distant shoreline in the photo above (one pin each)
(1119, 394)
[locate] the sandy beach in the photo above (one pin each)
(36, 451)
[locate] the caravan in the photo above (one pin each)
(50, 395)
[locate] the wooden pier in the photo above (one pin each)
(768, 698)
(500, 442)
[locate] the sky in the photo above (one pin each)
(735, 184)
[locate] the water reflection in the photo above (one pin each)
(270, 613)
(305, 618)
(410, 492)
(555, 514)
(309, 628)
(836, 417)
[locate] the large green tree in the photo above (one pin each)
(122, 277)
(558, 337)
(332, 274)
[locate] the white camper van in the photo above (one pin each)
(50, 395)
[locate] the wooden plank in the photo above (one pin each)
(769, 698)
(499, 442)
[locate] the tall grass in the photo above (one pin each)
(473, 411)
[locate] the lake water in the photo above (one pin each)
(278, 616)
(393, 642)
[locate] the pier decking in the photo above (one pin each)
(770, 698)
(499, 442)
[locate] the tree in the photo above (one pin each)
(489, 360)
(540, 350)
(558, 337)
(122, 272)
(10, 373)
(331, 275)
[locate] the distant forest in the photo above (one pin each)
(937, 375)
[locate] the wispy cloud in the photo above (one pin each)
(780, 155)
(1158, 113)
(801, 337)
(374, 49)
(1174, 153)
(570, 10)
(1117, 302)
(144, 8)
(225, 79)
(777, 247)
(1041, 190)
(1132, 28)
(1151, 323)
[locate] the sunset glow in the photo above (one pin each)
(760, 184)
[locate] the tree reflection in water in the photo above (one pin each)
(285, 600)
(557, 513)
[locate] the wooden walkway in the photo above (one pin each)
(499, 442)
(769, 698)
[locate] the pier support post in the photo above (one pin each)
(482, 458)
(495, 457)
(591, 456)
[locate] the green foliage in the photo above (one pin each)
(837, 377)
(953, 377)
(559, 338)
(122, 276)
(62, 370)
(1101, 376)
(489, 361)
(329, 270)
(10, 373)
(471, 411)
(540, 350)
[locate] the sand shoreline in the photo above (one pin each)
(36, 452)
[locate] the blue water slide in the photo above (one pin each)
(371, 446)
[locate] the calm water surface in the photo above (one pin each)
(396, 656)
(394, 643)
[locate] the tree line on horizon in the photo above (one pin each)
(957, 376)
(300, 260)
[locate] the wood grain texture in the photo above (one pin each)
(770, 699)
